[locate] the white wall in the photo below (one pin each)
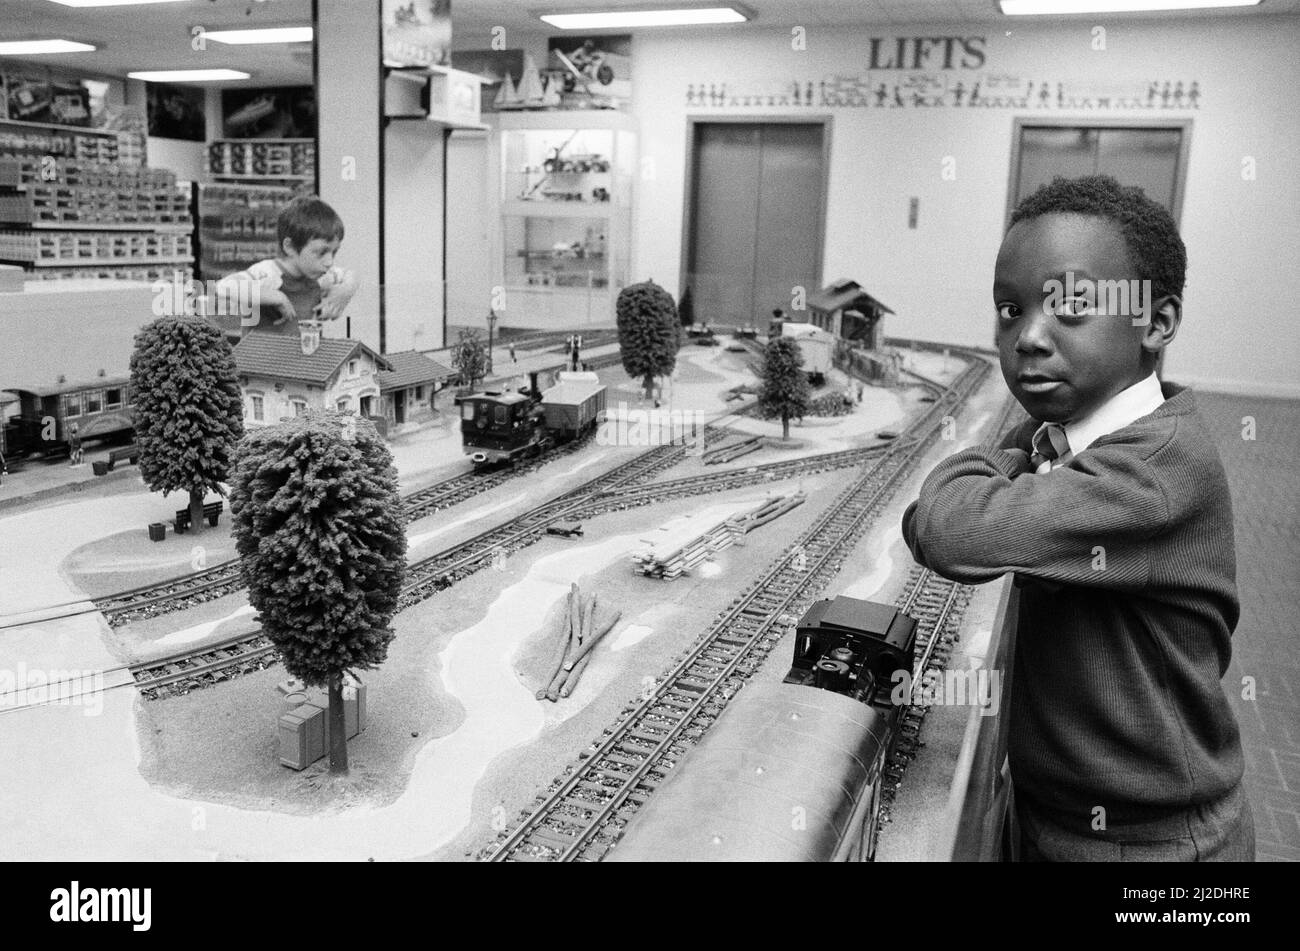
(1242, 236)
(189, 160)
(413, 235)
(470, 226)
(347, 96)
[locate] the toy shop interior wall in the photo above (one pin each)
(942, 135)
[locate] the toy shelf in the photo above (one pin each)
(565, 201)
(263, 159)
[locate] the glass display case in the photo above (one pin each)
(566, 215)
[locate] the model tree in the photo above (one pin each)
(784, 392)
(188, 408)
(649, 334)
(469, 357)
(319, 530)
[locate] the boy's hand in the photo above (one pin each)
(339, 288)
(269, 299)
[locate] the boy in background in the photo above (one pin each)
(301, 283)
(1111, 507)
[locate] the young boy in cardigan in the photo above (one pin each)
(301, 283)
(1112, 509)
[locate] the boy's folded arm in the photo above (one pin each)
(982, 513)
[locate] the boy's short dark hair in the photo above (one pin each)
(1149, 229)
(304, 219)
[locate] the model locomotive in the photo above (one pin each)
(790, 772)
(506, 427)
(852, 647)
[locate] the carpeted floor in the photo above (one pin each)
(1262, 473)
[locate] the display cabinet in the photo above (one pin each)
(566, 203)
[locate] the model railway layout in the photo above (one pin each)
(585, 812)
(590, 807)
(219, 580)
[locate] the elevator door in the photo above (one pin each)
(1150, 158)
(756, 212)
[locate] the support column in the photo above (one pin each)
(349, 115)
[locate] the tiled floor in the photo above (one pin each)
(1262, 473)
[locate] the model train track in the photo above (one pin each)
(216, 581)
(190, 670)
(426, 577)
(937, 604)
(436, 572)
(583, 815)
(732, 479)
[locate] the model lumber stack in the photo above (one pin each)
(676, 555)
(580, 631)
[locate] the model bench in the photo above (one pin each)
(211, 511)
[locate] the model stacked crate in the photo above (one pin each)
(304, 731)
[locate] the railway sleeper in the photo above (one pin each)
(624, 757)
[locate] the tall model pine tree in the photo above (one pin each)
(784, 392)
(649, 333)
(188, 408)
(318, 525)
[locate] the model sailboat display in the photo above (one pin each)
(530, 91)
(551, 97)
(506, 97)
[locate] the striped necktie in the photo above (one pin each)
(1050, 445)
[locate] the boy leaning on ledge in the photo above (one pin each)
(301, 283)
(1111, 507)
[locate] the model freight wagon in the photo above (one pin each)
(573, 405)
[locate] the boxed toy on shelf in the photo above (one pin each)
(236, 225)
(67, 211)
(287, 159)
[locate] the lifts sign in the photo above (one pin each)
(926, 52)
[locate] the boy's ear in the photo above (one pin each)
(287, 248)
(1166, 315)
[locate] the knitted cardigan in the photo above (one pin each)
(1126, 570)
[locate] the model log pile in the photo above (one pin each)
(675, 555)
(580, 631)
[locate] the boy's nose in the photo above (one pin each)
(1034, 333)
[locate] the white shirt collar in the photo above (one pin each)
(1120, 410)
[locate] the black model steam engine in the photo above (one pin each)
(779, 746)
(503, 427)
(853, 647)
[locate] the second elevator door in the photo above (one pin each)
(756, 218)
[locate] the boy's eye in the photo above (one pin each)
(1008, 311)
(1075, 307)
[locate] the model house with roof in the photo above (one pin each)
(280, 381)
(407, 390)
(850, 313)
